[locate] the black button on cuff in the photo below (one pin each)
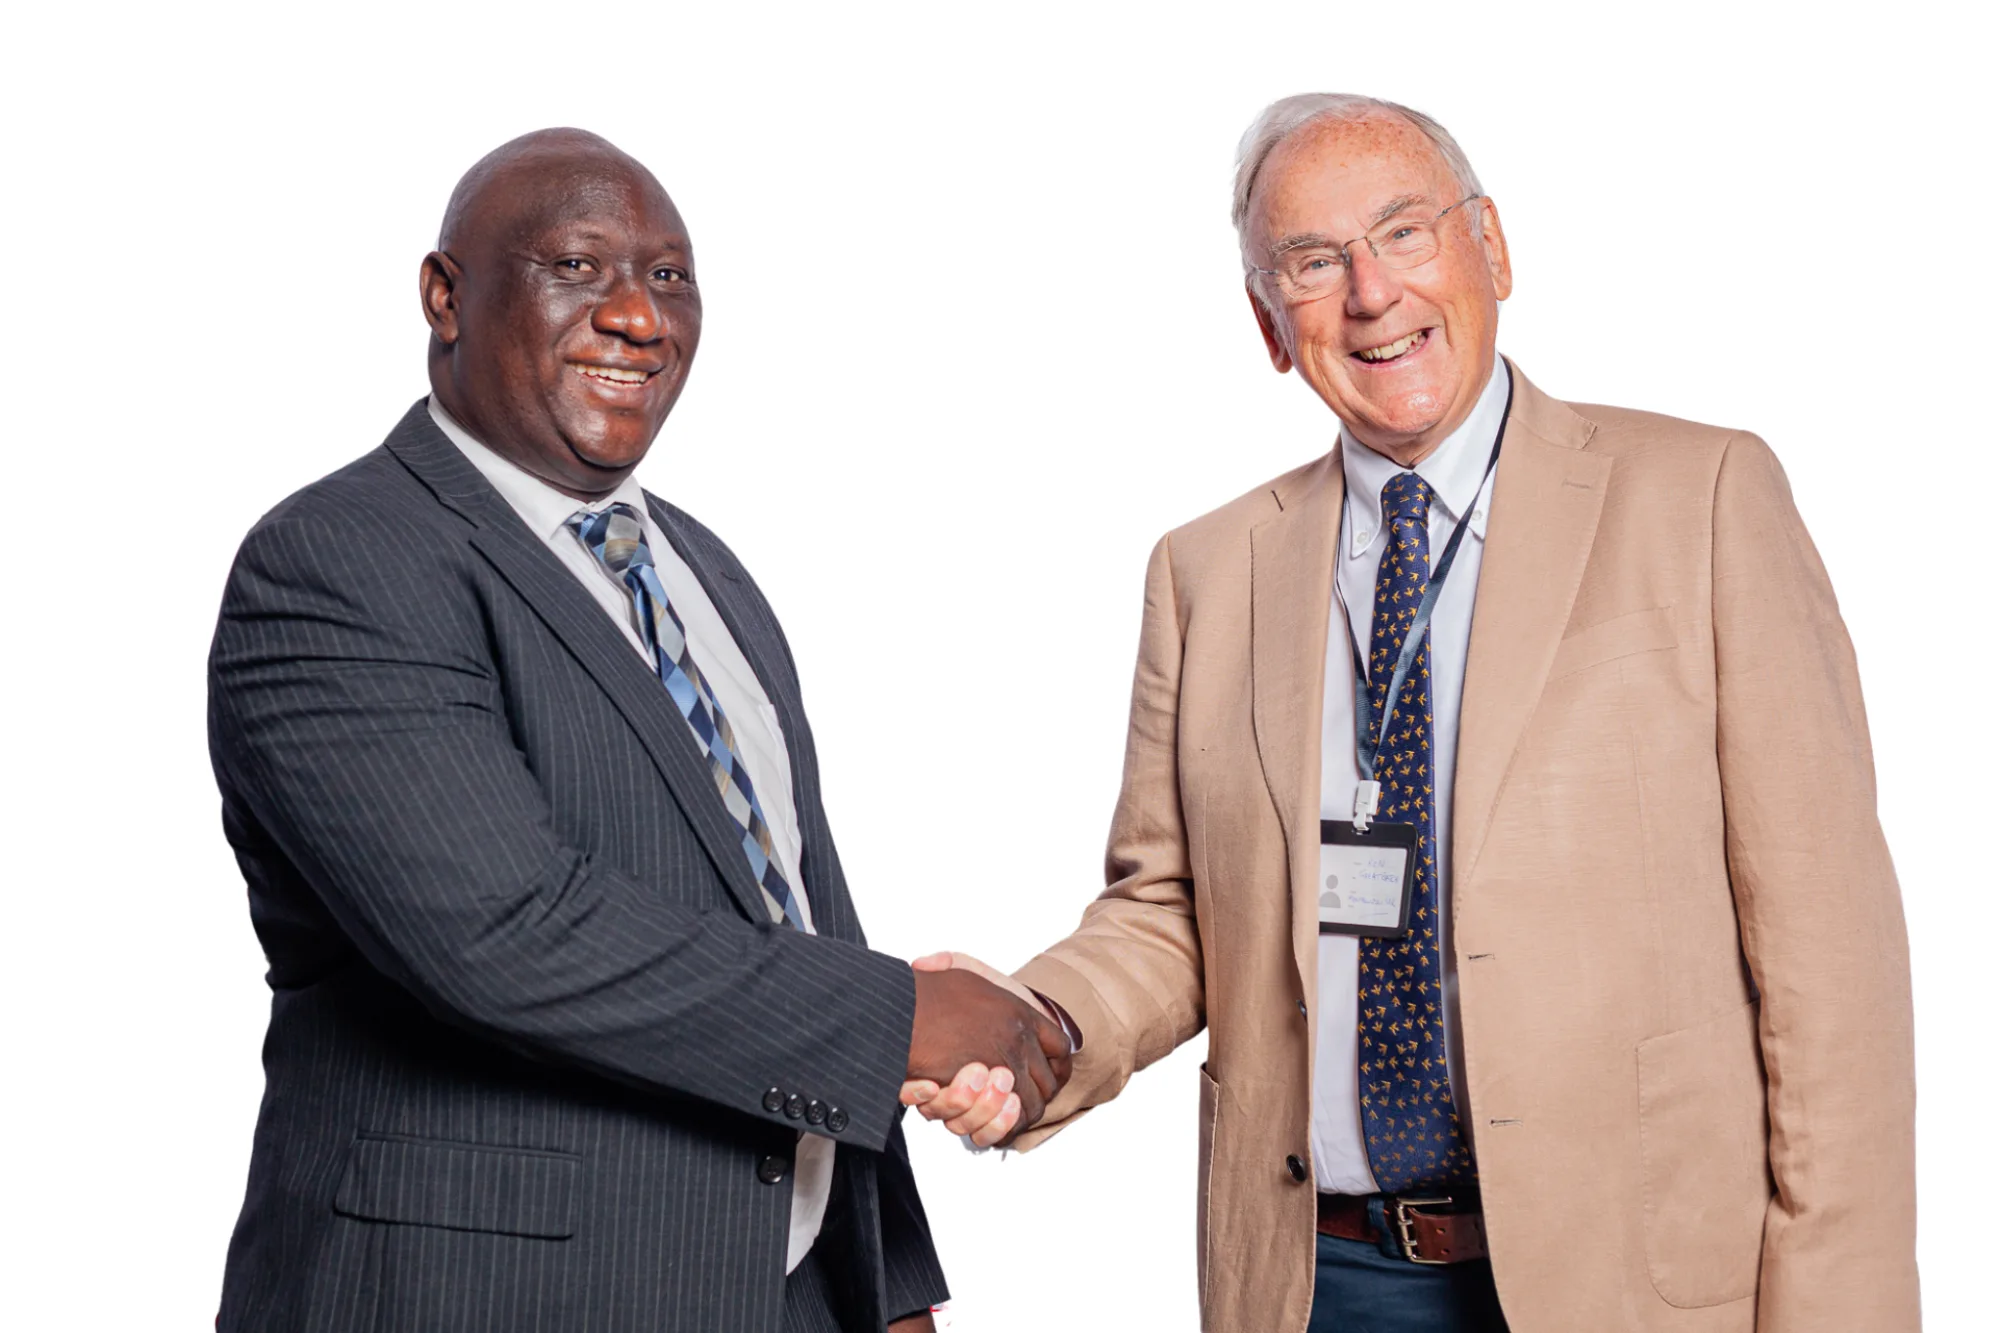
(815, 1112)
(774, 1099)
(836, 1119)
(1297, 1167)
(795, 1106)
(772, 1170)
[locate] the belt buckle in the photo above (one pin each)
(1405, 1225)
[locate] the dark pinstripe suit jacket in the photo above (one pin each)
(529, 1013)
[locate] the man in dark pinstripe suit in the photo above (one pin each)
(573, 1025)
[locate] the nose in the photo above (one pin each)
(628, 311)
(1372, 287)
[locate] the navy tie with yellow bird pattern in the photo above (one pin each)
(1408, 1115)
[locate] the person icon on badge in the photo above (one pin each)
(1330, 898)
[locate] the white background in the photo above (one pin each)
(975, 338)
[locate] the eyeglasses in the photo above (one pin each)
(1315, 269)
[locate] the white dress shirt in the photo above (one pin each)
(753, 721)
(1453, 471)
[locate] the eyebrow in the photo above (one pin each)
(589, 237)
(1397, 205)
(1301, 240)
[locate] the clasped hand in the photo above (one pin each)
(984, 1057)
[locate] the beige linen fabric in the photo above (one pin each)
(1684, 980)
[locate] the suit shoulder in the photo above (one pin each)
(700, 537)
(1627, 431)
(374, 493)
(370, 524)
(1667, 454)
(1227, 524)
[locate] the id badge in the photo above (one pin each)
(1365, 879)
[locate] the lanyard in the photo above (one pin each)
(1368, 796)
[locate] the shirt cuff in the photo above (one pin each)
(1063, 1020)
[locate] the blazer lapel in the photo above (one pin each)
(833, 913)
(1547, 494)
(552, 592)
(1291, 592)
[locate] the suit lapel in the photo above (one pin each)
(552, 592)
(1291, 592)
(1547, 494)
(758, 640)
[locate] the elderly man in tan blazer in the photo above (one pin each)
(1614, 1032)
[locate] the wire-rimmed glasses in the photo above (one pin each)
(1312, 268)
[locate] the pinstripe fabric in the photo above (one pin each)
(526, 1001)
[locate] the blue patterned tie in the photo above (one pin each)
(617, 537)
(1409, 1117)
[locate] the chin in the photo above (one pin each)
(1411, 414)
(611, 444)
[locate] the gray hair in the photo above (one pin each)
(1286, 116)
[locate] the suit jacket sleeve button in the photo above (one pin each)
(771, 1170)
(836, 1119)
(815, 1112)
(1297, 1167)
(795, 1106)
(774, 1099)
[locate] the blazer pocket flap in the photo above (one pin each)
(461, 1186)
(1621, 636)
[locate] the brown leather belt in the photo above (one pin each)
(1424, 1231)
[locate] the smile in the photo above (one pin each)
(621, 376)
(1396, 350)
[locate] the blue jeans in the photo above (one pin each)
(1364, 1288)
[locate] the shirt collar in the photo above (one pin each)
(1455, 470)
(542, 507)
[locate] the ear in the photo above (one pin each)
(437, 287)
(1497, 262)
(1281, 360)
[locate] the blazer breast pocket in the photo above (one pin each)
(460, 1186)
(1608, 640)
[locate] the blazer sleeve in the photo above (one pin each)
(354, 714)
(913, 1279)
(1131, 974)
(1821, 920)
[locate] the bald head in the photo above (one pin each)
(563, 306)
(528, 171)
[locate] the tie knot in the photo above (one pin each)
(614, 535)
(1407, 499)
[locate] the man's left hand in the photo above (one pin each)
(916, 1323)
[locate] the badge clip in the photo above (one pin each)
(1367, 800)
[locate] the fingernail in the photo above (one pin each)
(1003, 1079)
(976, 1080)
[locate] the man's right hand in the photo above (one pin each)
(963, 1019)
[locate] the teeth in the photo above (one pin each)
(612, 373)
(1394, 349)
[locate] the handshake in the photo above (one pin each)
(985, 1057)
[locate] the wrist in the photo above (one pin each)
(1060, 1017)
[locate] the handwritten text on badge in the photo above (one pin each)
(1361, 886)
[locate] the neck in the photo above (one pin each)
(572, 491)
(1409, 455)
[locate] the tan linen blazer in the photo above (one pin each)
(1683, 974)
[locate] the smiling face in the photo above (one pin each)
(564, 309)
(1400, 355)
